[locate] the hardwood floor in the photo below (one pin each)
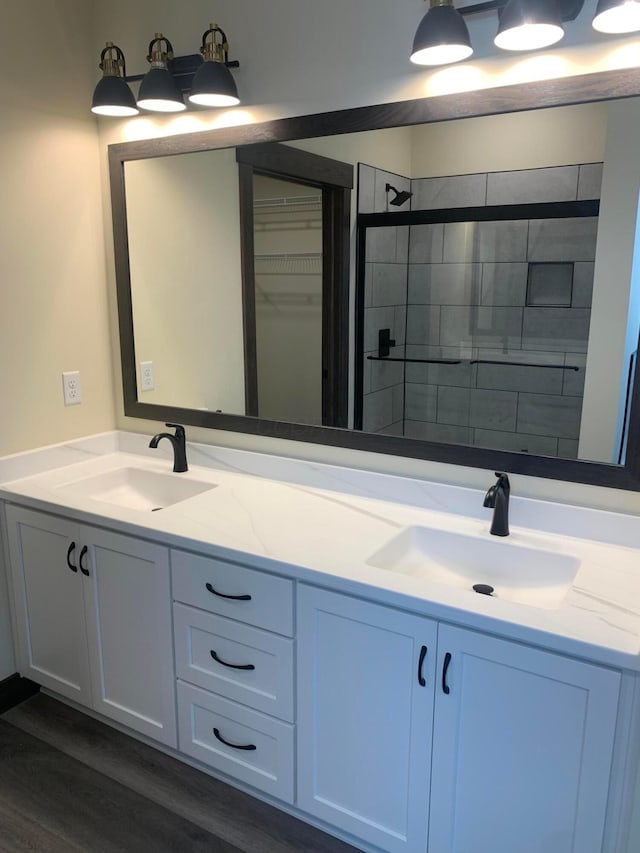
(69, 783)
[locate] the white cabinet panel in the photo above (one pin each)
(249, 746)
(522, 749)
(49, 607)
(364, 720)
(242, 663)
(130, 640)
(263, 600)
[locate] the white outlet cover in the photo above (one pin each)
(71, 387)
(147, 379)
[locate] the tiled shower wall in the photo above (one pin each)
(500, 291)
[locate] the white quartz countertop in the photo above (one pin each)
(328, 537)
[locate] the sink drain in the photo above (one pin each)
(483, 588)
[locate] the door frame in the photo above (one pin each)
(335, 179)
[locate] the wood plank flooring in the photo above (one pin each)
(69, 783)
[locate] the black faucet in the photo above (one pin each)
(497, 498)
(179, 446)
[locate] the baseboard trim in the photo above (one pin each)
(14, 690)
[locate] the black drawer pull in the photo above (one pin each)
(422, 681)
(72, 548)
(231, 665)
(83, 553)
(248, 746)
(445, 669)
(222, 595)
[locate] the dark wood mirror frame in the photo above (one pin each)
(587, 88)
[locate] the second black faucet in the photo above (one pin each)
(497, 498)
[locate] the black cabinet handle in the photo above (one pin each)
(72, 548)
(445, 669)
(422, 681)
(248, 746)
(231, 665)
(222, 595)
(83, 553)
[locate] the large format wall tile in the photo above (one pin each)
(564, 329)
(504, 284)
(386, 373)
(389, 284)
(582, 284)
(493, 409)
(533, 186)
(542, 414)
(540, 445)
(519, 378)
(568, 448)
(590, 181)
(571, 239)
(420, 402)
(485, 241)
(454, 191)
(425, 243)
(378, 410)
(423, 324)
(480, 326)
(444, 284)
(439, 374)
(366, 188)
(443, 433)
(453, 405)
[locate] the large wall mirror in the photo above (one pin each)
(455, 279)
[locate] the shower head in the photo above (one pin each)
(400, 195)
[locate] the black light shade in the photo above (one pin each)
(529, 25)
(112, 96)
(213, 86)
(442, 36)
(159, 91)
(617, 16)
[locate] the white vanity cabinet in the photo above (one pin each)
(522, 748)
(365, 710)
(93, 613)
(522, 739)
(234, 661)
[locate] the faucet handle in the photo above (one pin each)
(178, 428)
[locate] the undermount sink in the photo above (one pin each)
(517, 572)
(136, 488)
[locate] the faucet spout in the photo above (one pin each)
(497, 498)
(178, 442)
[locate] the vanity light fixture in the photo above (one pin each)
(442, 36)
(213, 85)
(529, 25)
(112, 96)
(159, 91)
(617, 16)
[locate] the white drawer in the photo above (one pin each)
(216, 653)
(206, 721)
(239, 593)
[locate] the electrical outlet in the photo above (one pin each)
(72, 388)
(146, 376)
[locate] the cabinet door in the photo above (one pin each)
(364, 718)
(522, 749)
(48, 598)
(128, 606)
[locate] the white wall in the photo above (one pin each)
(183, 218)
(339, 55)
(53, 304)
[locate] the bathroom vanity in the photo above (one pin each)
(278, 625)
